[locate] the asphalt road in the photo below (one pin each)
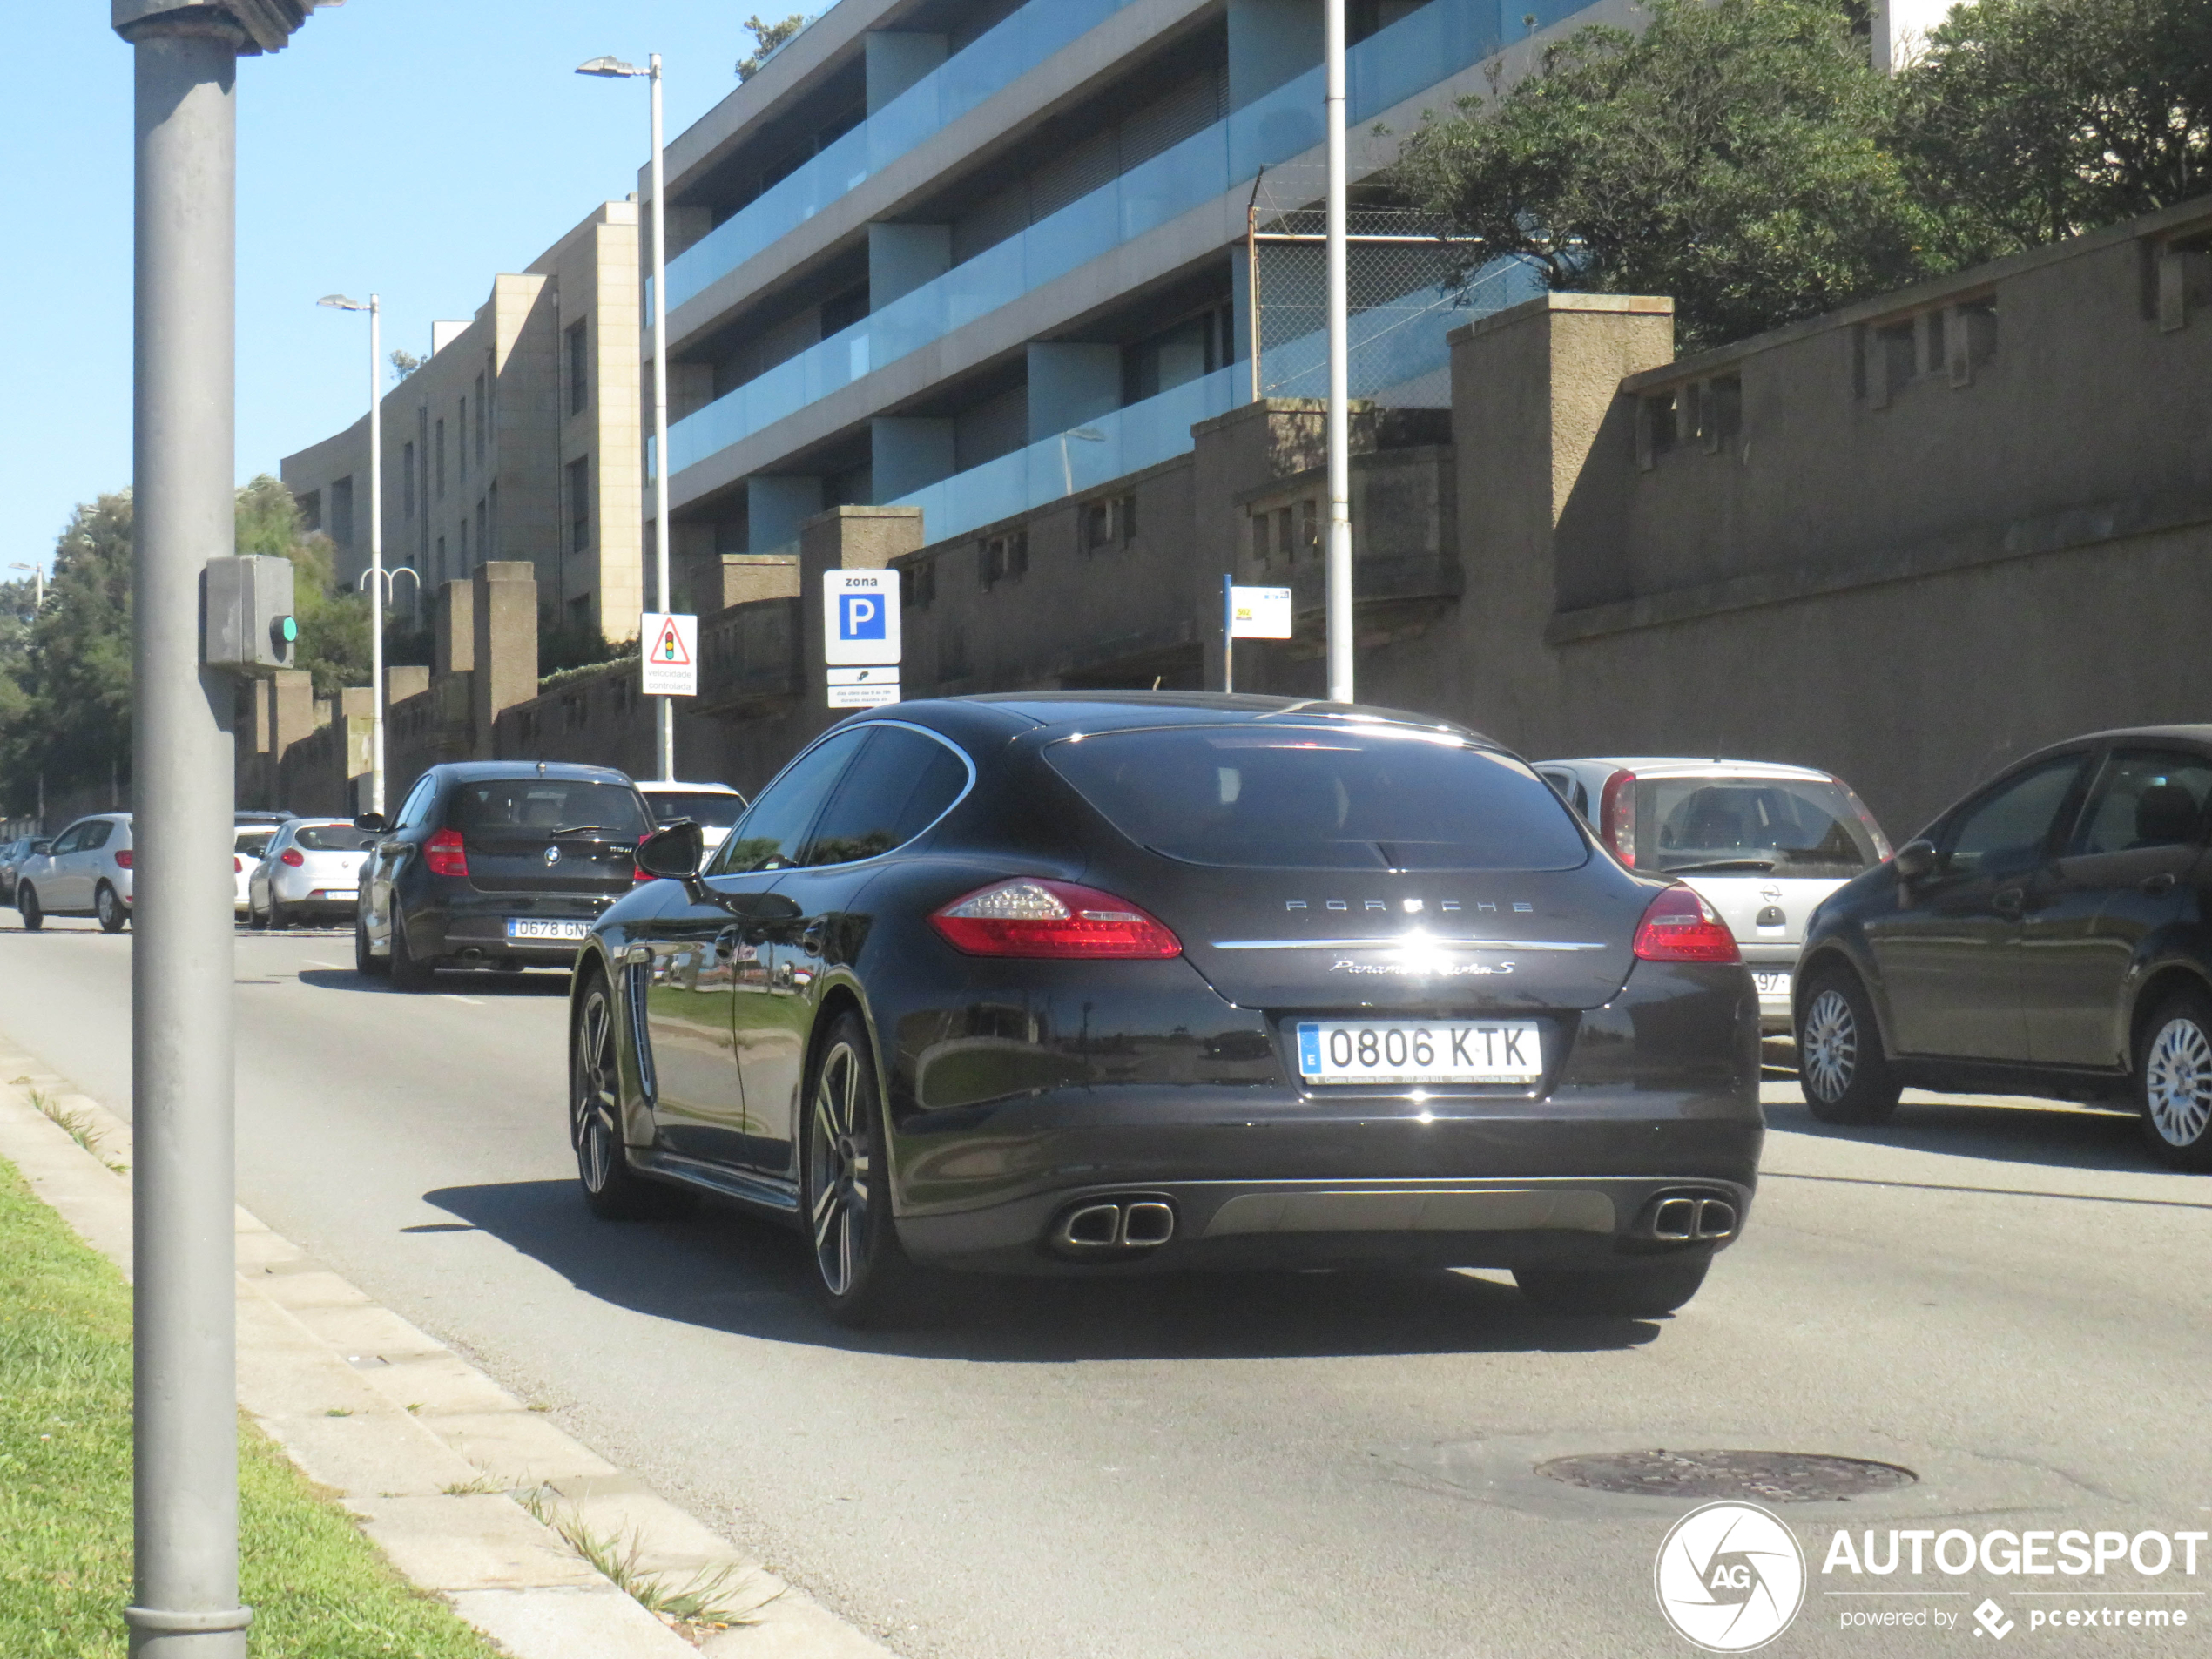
(2003, 1297)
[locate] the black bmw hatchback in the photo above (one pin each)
(2046, 935)
(1103, 983)
(494, 864)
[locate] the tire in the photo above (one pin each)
(861, 1271)
(108, 907)
(612, 1189)
(1613, 1292)
(367, 966)
(257, 920)
(1845, 1076)
(408, 973)
(278, 922)
(2173, 1081)
(27, 906)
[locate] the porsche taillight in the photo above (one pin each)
(1680, 926)
(443, 854)
(1617, 816)
(1032, 917)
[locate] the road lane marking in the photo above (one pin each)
(1997, 1192)
(455, 996)
(339, 966)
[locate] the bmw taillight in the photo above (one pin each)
(123, 860)
(1033, 917)
(443, 854)
(1617, 816)
(1680, 926)
(292, 856)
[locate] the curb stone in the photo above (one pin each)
(427, 1452)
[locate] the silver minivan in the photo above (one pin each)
(1761, 842)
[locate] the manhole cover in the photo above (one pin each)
(1778, 1477)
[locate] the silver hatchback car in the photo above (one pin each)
(311, 868)
(1761, 842)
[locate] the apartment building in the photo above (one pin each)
(975, 256)
(517, 440)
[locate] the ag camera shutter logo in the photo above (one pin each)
(1729, 1577)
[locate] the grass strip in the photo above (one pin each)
(318, 1588)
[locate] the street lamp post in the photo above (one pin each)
(1340, 544)
(38, 585)
(184, 1292)
(340, 302)
(614, 68)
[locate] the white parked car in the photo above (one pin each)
(713, 807)
(246, 857)
(310, 867)
(85, 872)
(1761, 842)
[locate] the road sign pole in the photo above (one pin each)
(184, 1299)
(184, 1295)
(1339, 564)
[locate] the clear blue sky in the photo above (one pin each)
(415, 147)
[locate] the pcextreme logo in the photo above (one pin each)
(1729, 1577)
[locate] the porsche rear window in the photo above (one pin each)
(1321, 798)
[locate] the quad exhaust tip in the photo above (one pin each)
(1116, 1225)
(1692, 1220)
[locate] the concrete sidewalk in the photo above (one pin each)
(438, 1459)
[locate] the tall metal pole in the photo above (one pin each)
(375, 556)
(660, 417)
(1339, 556)
(186, 1410)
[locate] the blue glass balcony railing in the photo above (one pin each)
(1419, 50)
(1001, 55)
(1391, 346)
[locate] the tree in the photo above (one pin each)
(2043, 119)
(1732, 156)
(66, 716)
(766, 37)
(404, 363)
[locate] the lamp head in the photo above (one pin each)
(613, 68)
(340, 302)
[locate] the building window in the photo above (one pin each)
(480, 420)
(341, 511)
(483, 537)
(460, 441)
(919, 585)
(1108, 523)
(311, 512)
(1656, 424)
(465, 566)
(407, 478)
(580, 504)
(1719, 406)
(579, 367)
(1310, 525)
(438, 569)
(1005, 558)
(440, 448)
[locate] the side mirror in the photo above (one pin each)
(1915, 858)
(675, 852)
(373, 822)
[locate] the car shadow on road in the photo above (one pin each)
(483, 982)
(724, 1269)
(2053, 1133)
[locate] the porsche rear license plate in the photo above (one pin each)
(1389, 1052)
(520, 927)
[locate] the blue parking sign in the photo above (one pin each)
(860, 616)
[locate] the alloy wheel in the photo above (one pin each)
(592, 1126)
(2177, 1082)
(841, 1157)
(1831, 1045)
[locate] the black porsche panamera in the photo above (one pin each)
(1116, 982)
